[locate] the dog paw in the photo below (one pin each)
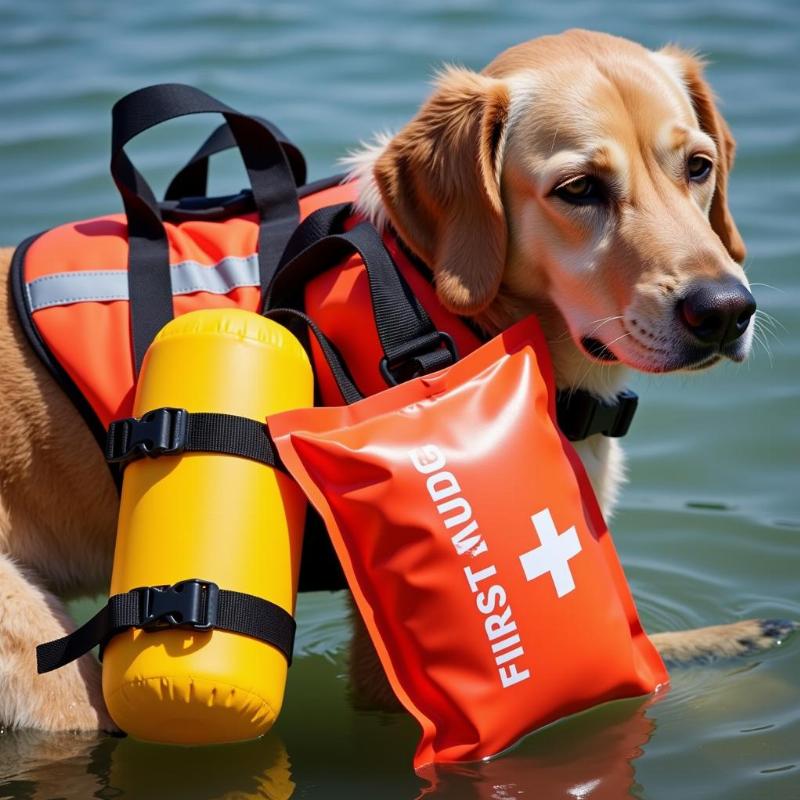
(69, 699)
(766, 634)
(77, 716)
(717, 642)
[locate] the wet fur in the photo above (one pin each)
(449, 183)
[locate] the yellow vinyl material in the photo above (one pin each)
(216, 517)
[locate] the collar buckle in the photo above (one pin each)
(581, 414)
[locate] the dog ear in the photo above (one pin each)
(712, 122)
(440, 184)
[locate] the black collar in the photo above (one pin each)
(580, 414)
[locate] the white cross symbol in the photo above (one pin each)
(553, 554)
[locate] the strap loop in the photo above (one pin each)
(271, 179)
(192, 179)
(419, 357)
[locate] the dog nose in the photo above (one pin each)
(717, 312)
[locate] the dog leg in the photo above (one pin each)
(703, 645)
(67, 699)
(371, 689)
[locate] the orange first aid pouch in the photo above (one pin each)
(475, 549)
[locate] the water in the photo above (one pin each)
(710, 524)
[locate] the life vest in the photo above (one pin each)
(91, 295)
(71, 286)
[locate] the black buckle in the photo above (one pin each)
(192, 603)
(581, 414)
(160, 432)
(627, 403)
(412, 355)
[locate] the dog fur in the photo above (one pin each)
(467, 185)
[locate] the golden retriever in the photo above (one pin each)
(580, 177)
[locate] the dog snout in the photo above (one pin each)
(716, 312)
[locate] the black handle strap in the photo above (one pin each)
(192, 179)
(411, 343)
(192, 604)
(271, 180)
(344, 381)
(317, 225)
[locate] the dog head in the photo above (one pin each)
(583, 178)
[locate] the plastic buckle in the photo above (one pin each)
(627, 403)
(192, 603)
(581, 414)
(576, 411)
(160, 432)
(389, 368)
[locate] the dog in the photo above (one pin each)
(580, 177)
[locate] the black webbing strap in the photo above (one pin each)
(271, 180)
(411, 343)
(344, 381)
(317, 225)
(169, 431)
(191, 604)
(192, 179)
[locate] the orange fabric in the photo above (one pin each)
(475, 548)
(91, 340)
(339, 302)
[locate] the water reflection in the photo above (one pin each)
(587, 756)
(43, 767)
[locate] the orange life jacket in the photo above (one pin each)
(92, 294)
(71, 286)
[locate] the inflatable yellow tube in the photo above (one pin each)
(212, 516)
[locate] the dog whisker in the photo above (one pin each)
(760, 337)
(762, 333)
(763, 317)
(770, 286)
(622, 336)
(565, 336)
(598, 323)
(591, 364)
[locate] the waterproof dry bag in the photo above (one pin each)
(475, 549)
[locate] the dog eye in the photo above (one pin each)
(583, 190)
(699, 168)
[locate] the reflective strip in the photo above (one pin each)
(65, 288)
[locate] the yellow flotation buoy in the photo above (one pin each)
(213, 516)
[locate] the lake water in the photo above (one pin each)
(709, 527)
